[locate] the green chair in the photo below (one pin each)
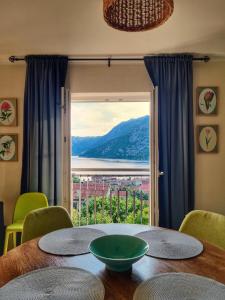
(25, 203)
(206, 226)
(44, 220)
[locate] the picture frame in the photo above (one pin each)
(207, 101)
(207, 138)
(8, 147)
(8, 112)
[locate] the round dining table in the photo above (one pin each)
(118, 286)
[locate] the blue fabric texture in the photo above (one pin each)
(41, 169)
(174, 77)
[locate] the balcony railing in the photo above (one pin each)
(110, 196)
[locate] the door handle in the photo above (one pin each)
(161, 173)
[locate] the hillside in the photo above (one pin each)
(127, 140)
(82, 144)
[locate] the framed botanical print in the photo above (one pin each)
(207, 100)
(8, 112)
(208, 138)
(8, 147)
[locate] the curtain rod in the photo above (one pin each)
(13, 59)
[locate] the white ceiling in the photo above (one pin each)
(76, 27)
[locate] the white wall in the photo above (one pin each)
(210, 168)
(101, 78)
(12, 78)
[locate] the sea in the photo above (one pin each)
(95, 163)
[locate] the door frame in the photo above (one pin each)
(66, 181)
(152, 97)
(154, 162)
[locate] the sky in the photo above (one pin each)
(94, 119)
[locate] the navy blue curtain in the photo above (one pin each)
(41, 169)
(174, 77)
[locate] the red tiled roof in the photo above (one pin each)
(101, 190)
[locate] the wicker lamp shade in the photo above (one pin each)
(137, 15)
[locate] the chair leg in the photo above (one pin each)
(7, 233)
(14, 239)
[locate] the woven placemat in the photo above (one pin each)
(70, 241)
(171, 244)
(177, 286)
(55, 283)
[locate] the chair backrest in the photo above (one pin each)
(206, 226)
(44, 220)
(28, 202)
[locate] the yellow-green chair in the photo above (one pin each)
(44, 220)
(206, 226)
(25, 203)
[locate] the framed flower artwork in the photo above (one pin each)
(8, 112)
(8, 147)
(207, 138)
(207, 100)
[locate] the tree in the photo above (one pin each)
(76, 179)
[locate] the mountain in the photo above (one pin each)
(82, 144)
(127, 140)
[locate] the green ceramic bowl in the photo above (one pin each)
(118, 252)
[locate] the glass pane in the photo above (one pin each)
(111, 141)
(110, 135)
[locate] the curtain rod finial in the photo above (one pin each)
(12, 59)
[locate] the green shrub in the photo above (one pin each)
(116, 213)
